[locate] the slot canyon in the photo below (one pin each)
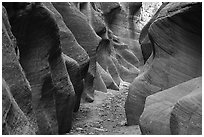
(101, 68)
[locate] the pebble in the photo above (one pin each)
(79, 129)
(85, 125)
(100, 129)
(123, 123)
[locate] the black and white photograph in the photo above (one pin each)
(101, 68)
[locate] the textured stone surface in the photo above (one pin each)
(12, 71)
(14, 121)
(107, 78)
(70, 46)
(186, 116)
(78, 23)
(87, 46)
(176, 38)
(15, 87)
(38, 40)
(85, 35)
(165, 107)
(122, 25)
(94, 17)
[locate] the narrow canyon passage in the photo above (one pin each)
(101, 68)
(105, 116)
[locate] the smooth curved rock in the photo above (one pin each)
(146, 46)
(104, 59)
(94, 17)
(14, 121)
(70, 46)
(99, 84)
(122, 26)
(176, 38)
(134, 8)
(126, 64)
(78, 24)
(18, 85)
(134, 11)
(162, 108)
(38, 40)
(186, 116)
(85, 36)
(12, 71)
(129, 56)
(107, 78)
(124, 73)
(76, 78)
(106, 7)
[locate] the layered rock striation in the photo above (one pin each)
(174, 35)
(55, 54)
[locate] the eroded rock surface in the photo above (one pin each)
(40, 54)
(72, 47)
(176, 110)
(18, 116)
(176, 55)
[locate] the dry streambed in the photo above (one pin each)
(105, 116)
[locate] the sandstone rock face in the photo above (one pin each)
(176, 110)
(116, 61)
(99, 84)
(121, 24)
(18, 116)
(94, 17)
(78, 24)
(186, 117)
(11, 69)
(86, 37)
(40, 54)
(176, 55)
(14, 121)
(70, 46)
(144, 40)
(120, 63)
(76, 77)
(73, 47)
(107, 78)
(43, 31)
(104, 52)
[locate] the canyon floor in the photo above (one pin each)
(105, 116)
